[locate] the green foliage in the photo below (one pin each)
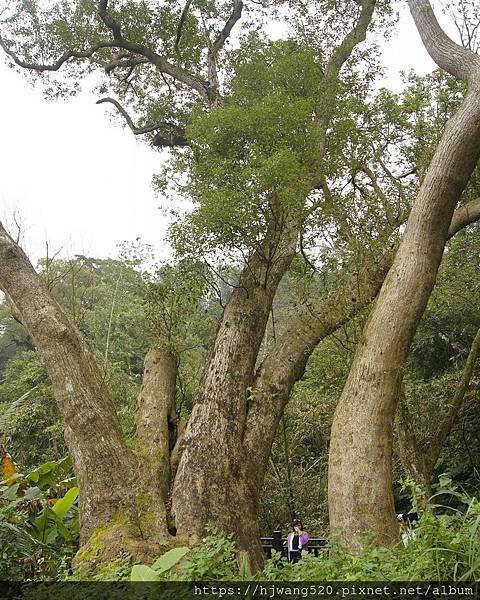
(29, 422)
(445, 547)
(163, 564)
(214, 559)
(38, 523)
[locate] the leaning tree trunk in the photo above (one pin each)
(120, 506)
(216, 479)
(360, 474)
(285, 363)
(212, 484)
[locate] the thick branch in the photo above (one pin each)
(285, 363)
(156, 416)
(65, 57)
(339, 56)
(160, 62)
(125, 62)
(357, 35)
(463, 216)
(183, 18)
(168, 134)
(453, 58)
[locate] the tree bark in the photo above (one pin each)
(360, 475)
(212, 484)
(156, 434)
(285, 363)
(110, 478)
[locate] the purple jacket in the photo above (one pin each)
(303, 541)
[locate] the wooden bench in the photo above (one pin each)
(279, 543)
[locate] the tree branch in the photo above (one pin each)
(181, 23)
(168, 135)
(449, 56)
(66, 56)
(220, 42)
(463, 216)
(451, 417)
(357, 35)
(160, 62)
(285, 364)
(125, 61)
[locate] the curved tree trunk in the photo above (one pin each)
(360, 475)
(87, 409)
(285, 363)
(117, 499)
(213, 482)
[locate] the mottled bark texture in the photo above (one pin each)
(285, 363)
(156, 434)
(360, 474)
(212, 484)
(419, 460)
(105, 468)
(217, 478)
(120, 496)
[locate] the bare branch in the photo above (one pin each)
(60, 61)
(449, 56)
(220, 42)
(168, 134)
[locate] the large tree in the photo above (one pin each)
(266, 142)
(360, 473)
(254, 135)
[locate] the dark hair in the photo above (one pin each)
(297, 522)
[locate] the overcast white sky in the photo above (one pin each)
(83, 182)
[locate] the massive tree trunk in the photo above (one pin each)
(418, 460)
(212, 481)
(105, 468)
(360, 475)
(217, 479)
(121, 492)
(285, 363)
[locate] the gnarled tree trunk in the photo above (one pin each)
(212, 484)
(106, 469)
(122, 492)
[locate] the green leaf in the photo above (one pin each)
(32, 493)
(143, 573)
(62, 506)
(11, 492)
(170, 558)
